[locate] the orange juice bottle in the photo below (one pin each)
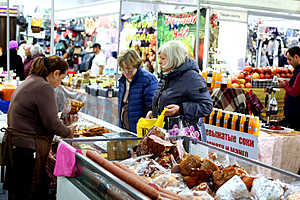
(226, 117)
(234, 119)
(213, 83)
(242, 123)
(204, 120)
(219, 117)
(251, 125)
(256, 126)
(218, 79)
(211, 117)
(229, 83)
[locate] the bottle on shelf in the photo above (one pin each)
(246, 125)
(242, 123)
(256, 126)
(222, 119)
(238, 122)
(218, 80)
(234, 119)
(226, 118)
(251, 125)
(214, 122)
(219, 117)
(211, 117)
(224, 80)
(229, 122)
(209, 79)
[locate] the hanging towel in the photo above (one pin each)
(65, 160)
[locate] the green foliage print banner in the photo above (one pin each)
(181, 27)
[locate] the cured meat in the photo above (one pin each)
(189, 162)
(222, 176)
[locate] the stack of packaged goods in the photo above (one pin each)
(235, 121)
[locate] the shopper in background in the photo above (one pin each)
(292, 89)
(32, 123)
(136, 90)
(35, 51)
(16, 63)
(21, 50)
(181, 89)
(98, 61)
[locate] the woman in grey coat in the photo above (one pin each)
(181, 89)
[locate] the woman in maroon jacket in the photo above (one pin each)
(32, 123)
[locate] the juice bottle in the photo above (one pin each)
(242, 123)
(238, 122)
(233, 123)
(218, 79)
(213, 83)
(226, 117)
(214, 122)
(222, 119)
(224, 80)
(256, 126)
(251, 124)
(209, 79)
(229, 83)
(211, 117)
(219, 117)
(246, 125)
(229, 122)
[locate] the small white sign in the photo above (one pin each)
(235, 141)
(231, 15)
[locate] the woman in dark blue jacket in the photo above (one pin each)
(136, 90)
(182, 89)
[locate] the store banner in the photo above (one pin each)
(228, 15)
(139, 30)
(237, 142)
(180, 27)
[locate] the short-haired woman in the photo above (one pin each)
(181, 89)
(32, 123)
(136, 89)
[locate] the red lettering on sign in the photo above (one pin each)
(246, 142)
(239, 151)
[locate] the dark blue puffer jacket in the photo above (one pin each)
(184, 87)
(140, 96)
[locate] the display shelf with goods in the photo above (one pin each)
(252, 173)
(97, 106)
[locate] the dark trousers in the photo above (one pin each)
(18, 178)
(293, 122)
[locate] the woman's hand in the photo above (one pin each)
(149, 115)
(69, 119)
(73, 128)
(282, 83)
(173, 109)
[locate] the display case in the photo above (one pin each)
(98, 183)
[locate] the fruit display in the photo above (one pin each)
(244, 78)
